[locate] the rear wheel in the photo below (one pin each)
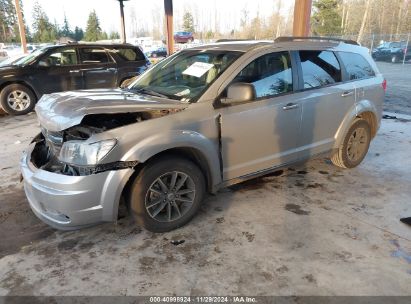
(166, 194)
(354, 146)
(17, 99)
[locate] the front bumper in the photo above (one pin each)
(71, 202)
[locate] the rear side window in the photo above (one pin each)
(270, 74)
(356, 65)
(129, 54)
(320, 68)
(93, 55)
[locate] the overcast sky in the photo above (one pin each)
(228, 11)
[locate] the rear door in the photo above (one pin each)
(130, 61)
(57, 71)
(325, 100)
(97, 68)
(362, 75)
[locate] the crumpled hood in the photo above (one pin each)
(59, 111)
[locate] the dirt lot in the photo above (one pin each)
(308, 230)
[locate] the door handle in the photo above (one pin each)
(347, 93)
(74, 71)
(290, 106)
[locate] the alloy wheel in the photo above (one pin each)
(18, 100)
(170, 196)
(357, 144)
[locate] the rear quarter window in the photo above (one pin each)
(129, 54)
(357, 66)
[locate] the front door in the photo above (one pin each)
(57, 71)
(98, 68)
(262, 133)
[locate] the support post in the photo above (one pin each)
(21, 26)
(123, 26)
(302, 14)
(168, 9)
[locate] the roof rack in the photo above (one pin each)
(293, 38)
(233, 40)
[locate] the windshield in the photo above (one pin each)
(186, 75)
(11, 60)
(30, 57)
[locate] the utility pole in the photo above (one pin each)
(123, 26)
(168, 8)
(21, 26)
(302, 14)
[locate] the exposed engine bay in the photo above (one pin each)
(48, 144)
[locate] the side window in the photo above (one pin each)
(129, 54)
(356, 65)
(60, 57)
(93, 55)
(270, 74)
(319, 68)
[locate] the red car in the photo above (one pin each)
(183, 37)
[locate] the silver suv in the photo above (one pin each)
(202, 119)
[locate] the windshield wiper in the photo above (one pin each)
(151, 92)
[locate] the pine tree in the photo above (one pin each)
(65, 30)
(188, 22)
(326, 19)
(78, 33)
(93, 30)
(44, 31)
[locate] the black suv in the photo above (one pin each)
(67, 67)
(392, 51)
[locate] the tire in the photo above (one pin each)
(24, 99)
(345, 156)
(158, 209)
(395, 59)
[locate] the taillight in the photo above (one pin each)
(384, 85)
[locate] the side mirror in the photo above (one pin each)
(239, 92)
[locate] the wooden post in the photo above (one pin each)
(302, 14)
(123, 26)
(21, 26)
(168, 9)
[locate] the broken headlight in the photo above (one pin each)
(77, 152)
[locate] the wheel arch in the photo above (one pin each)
(366, 110)
(21, 82)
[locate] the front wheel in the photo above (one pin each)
(395, 59)
(354, 146)
(166, 194)
(17, 99)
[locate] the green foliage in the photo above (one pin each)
(65, 30)
(188, 22)
(93, 30)
(9, 29)
(78, 34)
(114, 35)
(44, 30)
(326, 18)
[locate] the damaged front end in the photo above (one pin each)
(55, 151)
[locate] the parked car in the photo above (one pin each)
(67, 67)
(392, 51)
(156, 53)
(202, 119)
(183, 37)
